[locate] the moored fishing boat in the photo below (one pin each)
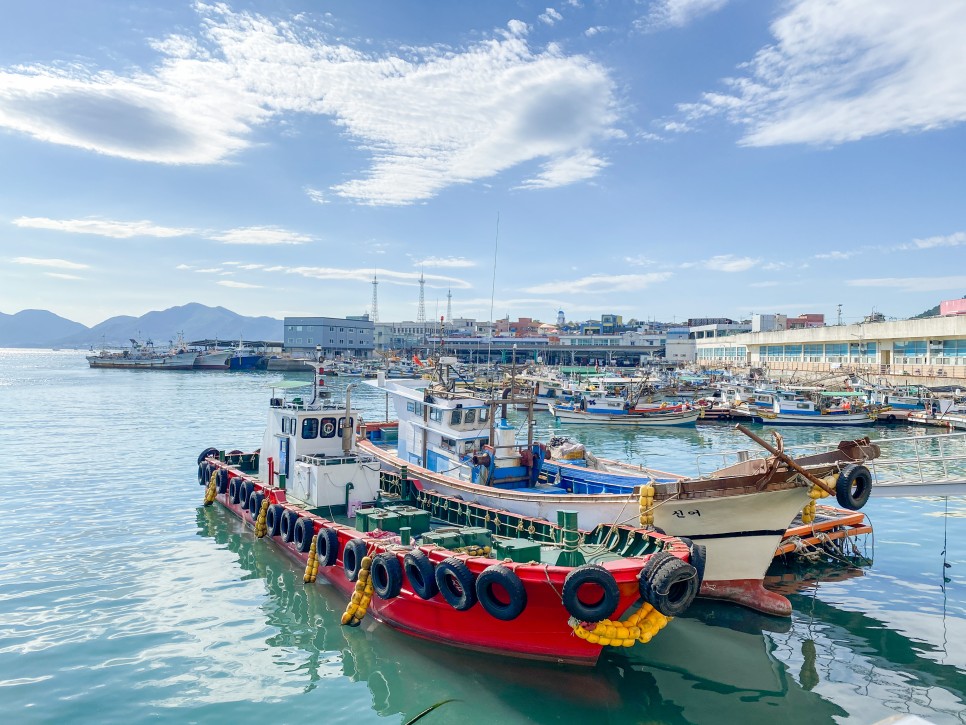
(441, 568)
(617, 410)
(451, 438)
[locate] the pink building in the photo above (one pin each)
(953, 307)
(806, 320)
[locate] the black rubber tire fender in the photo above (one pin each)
(699, 557)
(255, 504)
(352, 556)
(386, 575)
(421, 574)
(648, 570)
(674, 587)
(327, 547)
(287, 529)
(223, 479)
(853, 486)
(596, 576)
(488, 584)
(244, 493)
(204, 473)
(206, 453)
(456, 583)
(233, 486)
(273, 519)
(304, 532)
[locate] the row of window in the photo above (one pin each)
(458, 416)
(329, 427)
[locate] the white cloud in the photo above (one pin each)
(53, 263)
(835, 254)
(579, 166)
(914, 284)
(209, 270)
(550, 17)
(950, 240)
(444, 262)
(639, 261)
(260, 235)
(597, 283)
(730, 263)
(595, 30)
(237, 285)
(677, 13)
(61, 275)
(103, 227)
(316, 195)
(842, 71)
(384, 275)
(184, 267)
(429, 118)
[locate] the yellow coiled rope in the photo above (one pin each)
(312, 565)
(211, 492)
(261, 528)
(639, 627)
(359, 603)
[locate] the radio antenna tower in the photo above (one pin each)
(421, 310)
(374, 313)
(449, 305)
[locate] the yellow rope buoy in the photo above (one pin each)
(808, 512)
(261, 528)
(312, 565)
(646, 505)
(359, 602)
(641, 627)
(211, 492)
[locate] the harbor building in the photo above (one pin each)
(929, 347)
(332, 336)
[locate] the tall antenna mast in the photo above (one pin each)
(374, 313)
(449, 306)
(421, 310)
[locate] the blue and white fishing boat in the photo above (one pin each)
(618, 410)
(824, 409)
(458, 442)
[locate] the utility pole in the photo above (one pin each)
(840, 313)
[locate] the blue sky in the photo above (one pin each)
(660, 159)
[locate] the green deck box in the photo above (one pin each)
(519, 550)
(362, 517)
(446, 538)
(476, 536)
(383, 520)
(415, 518)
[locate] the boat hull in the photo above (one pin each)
(740, 532)
(684, 418)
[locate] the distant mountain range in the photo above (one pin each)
(40, 328)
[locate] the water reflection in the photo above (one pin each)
(719, 663)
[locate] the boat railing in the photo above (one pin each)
(923, 459)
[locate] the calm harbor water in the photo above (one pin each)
(123, 600)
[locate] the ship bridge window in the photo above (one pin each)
(436, 414)
(310, 428)
(469, 416)
(328, 427)
(456, 417)
(484, 415)
(342, 424)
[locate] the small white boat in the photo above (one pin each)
(609, 410)
(825, 409)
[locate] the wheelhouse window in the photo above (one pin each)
(469, 415)
(436, 414)
(310, 428)
(456, 417)
(484, 415)
(328, 427)
(342, 424)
